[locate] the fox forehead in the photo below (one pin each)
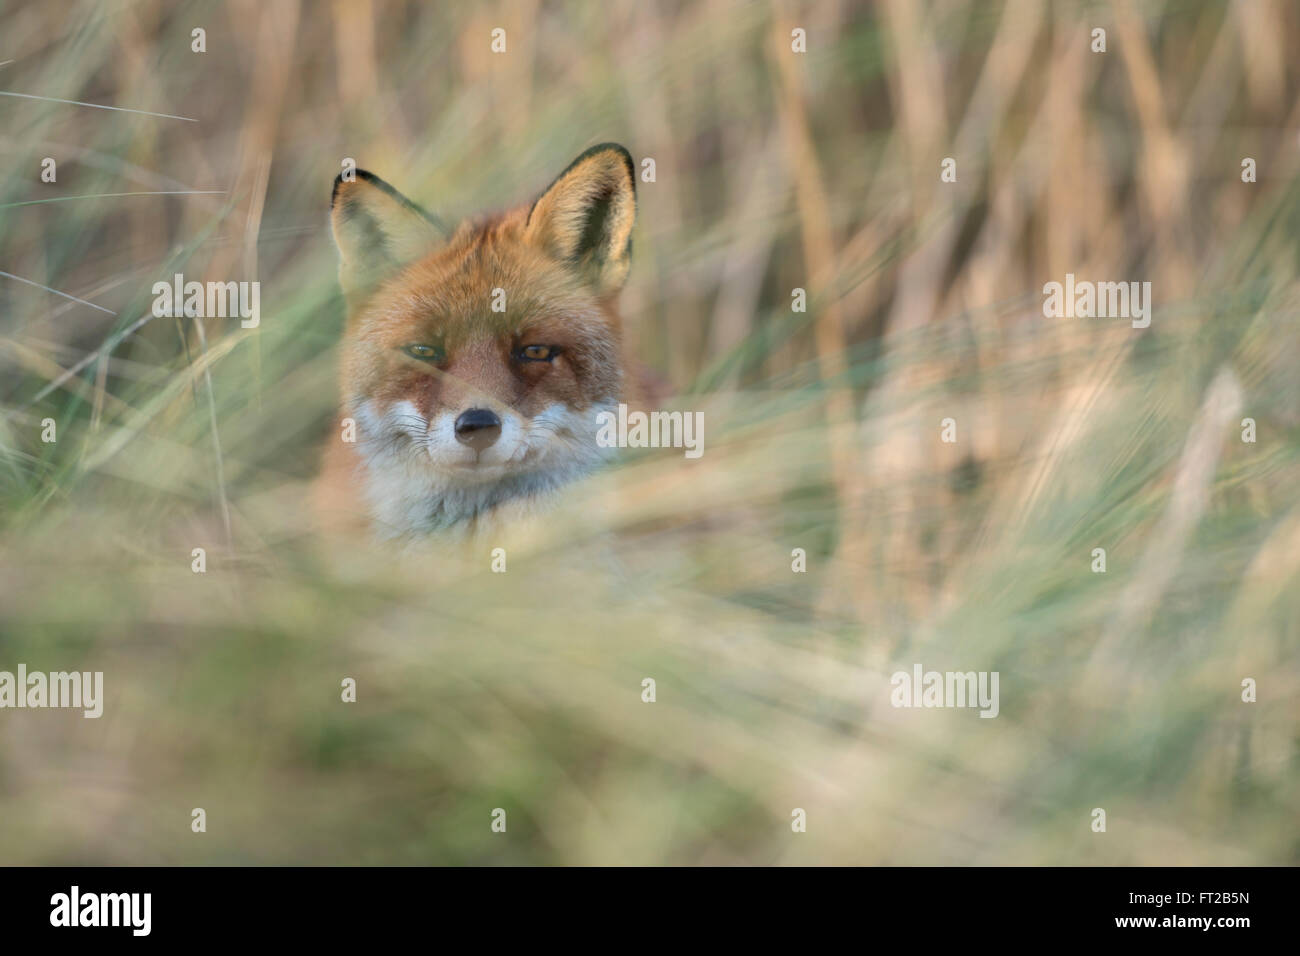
(486, 282)
(483, 292)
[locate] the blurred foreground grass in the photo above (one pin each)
(523, 690)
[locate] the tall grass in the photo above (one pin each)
(774, 170)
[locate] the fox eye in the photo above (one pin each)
(538, 353)
(425, 353)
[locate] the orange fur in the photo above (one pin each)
(557, 265)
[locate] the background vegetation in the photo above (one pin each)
(775, 170)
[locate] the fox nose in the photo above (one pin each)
(478, 428)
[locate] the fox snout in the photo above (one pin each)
(478, 428)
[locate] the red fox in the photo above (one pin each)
(475, 361)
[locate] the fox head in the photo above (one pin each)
(477, 359)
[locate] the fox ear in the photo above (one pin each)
(585, 217)
(377, 230)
